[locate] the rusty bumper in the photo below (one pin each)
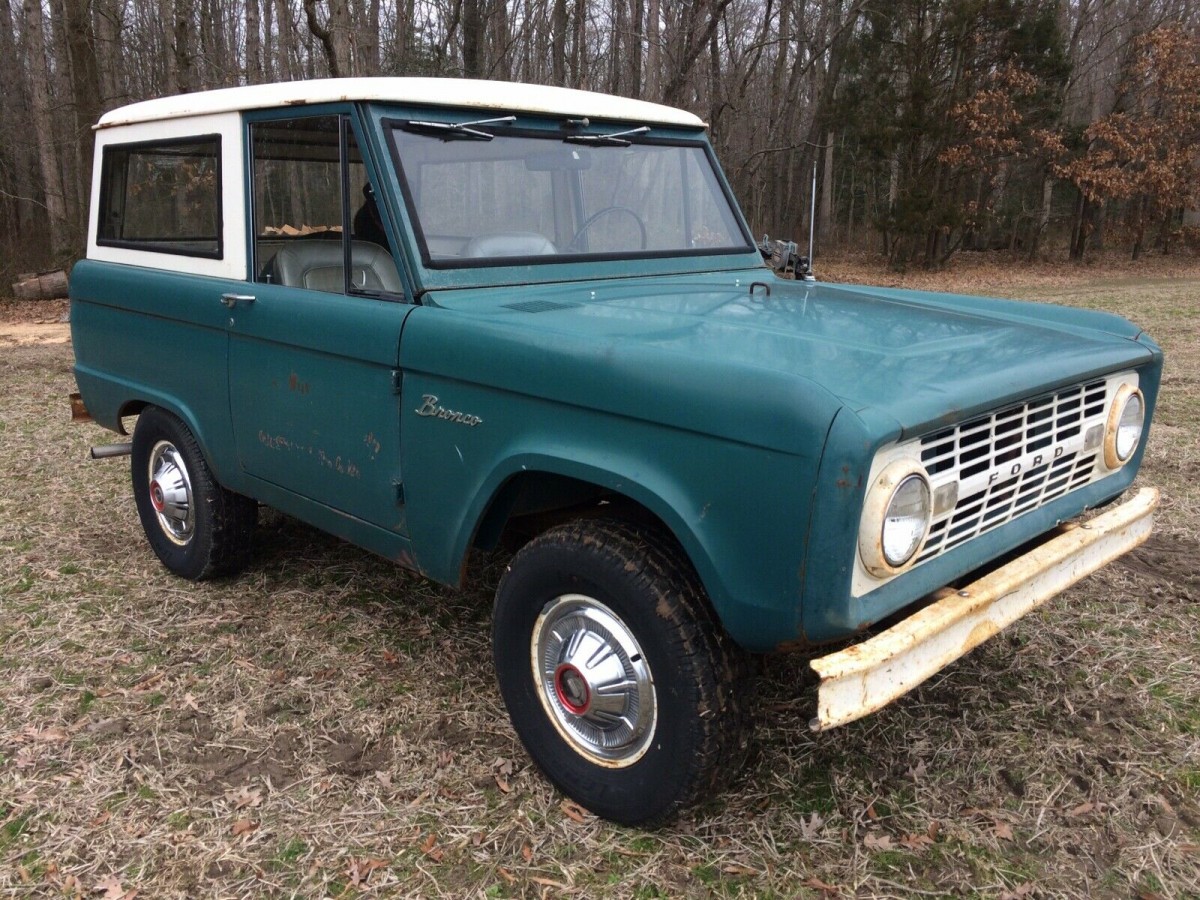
(867, 676)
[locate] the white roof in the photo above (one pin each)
(492, 96)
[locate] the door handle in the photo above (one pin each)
(232, 300)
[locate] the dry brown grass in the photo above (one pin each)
(327, 725)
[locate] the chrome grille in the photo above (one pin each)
(1012, 461)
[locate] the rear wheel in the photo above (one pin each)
(618, 681)
(197, 528)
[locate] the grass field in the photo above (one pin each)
(328, 725)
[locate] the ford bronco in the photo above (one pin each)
(421, 314)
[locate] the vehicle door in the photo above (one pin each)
(314, 341)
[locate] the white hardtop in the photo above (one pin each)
(490, 96)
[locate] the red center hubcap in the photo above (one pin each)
(572, 689)
(156, 497)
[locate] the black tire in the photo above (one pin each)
(197, 528)
(564, 585)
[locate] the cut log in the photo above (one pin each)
(43, 286)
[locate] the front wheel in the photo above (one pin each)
(618, 681)
(197, 528)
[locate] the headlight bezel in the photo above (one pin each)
(877, 504)
(1126, 394)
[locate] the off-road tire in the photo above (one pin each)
(218, 538)
(701, 680)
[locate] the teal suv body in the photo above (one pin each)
(427, 315)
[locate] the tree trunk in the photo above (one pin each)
(254, 72)
(1043, 222)
(473, 25)
(324, 34)
(43, 125)
(825, 218)
(85, 79)
(558, 42)
(653, 52)
(185, 80)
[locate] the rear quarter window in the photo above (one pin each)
(162, 196)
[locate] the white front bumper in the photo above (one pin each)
(867, 676)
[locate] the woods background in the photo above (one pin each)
(936, 126)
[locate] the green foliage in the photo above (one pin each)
(942, 101)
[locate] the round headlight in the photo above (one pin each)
(896, 518)
(1123, 432)
(905, 521)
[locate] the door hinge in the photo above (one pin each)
(397, 380)
(399, 487)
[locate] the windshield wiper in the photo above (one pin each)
(457, 131)
(616, 139)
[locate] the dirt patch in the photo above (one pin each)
(24, 334)
(1170, 558)
(34, 311)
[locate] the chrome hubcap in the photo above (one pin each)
(595, 682)
(171, 492)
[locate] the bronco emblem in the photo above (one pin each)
(429, 407)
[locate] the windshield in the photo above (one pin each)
(487, 202)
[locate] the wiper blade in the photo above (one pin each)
(616, 139)
(460, 131)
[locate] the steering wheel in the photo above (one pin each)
(574, 245)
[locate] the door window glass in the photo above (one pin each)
(314, 206)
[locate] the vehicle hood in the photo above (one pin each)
(917, 357)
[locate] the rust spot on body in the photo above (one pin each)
(296, 385)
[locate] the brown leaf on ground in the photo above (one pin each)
(1020, 891)
(1083, 809)
(507, 875)
(503, 784)
(738, 869)
(149, 682)
(526, 853)
(51, 735)
(1002, 830)
(818, 885)
(110, 887)
(244, 797)
(916, 841)
(574, 811)
(431, 849)
(243, 826)
(359, 870)
(875, 841)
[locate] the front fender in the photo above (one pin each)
(740, 512)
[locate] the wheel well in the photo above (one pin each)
(531, 502)
(130, 408)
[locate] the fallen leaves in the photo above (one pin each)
(824, 887)
(243, 826)
(246, 797)
(502, 770)
(878, 841)
(359, 871)
(111, 888)
(574, 811)
(431, 849)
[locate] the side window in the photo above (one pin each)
(314, 209)
(164, 197)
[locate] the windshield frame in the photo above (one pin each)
(553, 131)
